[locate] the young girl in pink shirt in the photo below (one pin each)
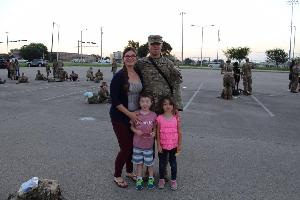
(169, 136)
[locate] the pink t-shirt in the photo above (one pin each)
(146, 125)
(168, 132)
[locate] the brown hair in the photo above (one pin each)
(127, 49)
(161, 104)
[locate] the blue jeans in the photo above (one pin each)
(163, 163)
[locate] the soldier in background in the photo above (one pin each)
(236, 75)
(98, 76)
(17, 67)
(114, 66)
(294, 77)
(101, 97)
(48, 70)
(73, 76)
(90, 74)
(39, 76)
(153, 81)
(12, 69)
(23, 79)
(55, 69)
(103, 93)
(247, 77)
(227, 81)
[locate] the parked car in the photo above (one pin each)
(2, 63)
(37, 63)
(215, 65)
(107, 61)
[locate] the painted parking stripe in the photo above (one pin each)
(263, 106)
(194, 95)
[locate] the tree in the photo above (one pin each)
(133, 44)
(277, 55)
(165, 50)
(33, 51)
(239, 53)
(143, 50)
(188, 61)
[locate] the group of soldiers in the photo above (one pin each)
(231, 79)
(90, 75)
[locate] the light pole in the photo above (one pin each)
(81, 42)
(294, 42)
(218, 45)
(202, 27)
(6, 41)
(292, 2)
(182, 13)
(101, 42)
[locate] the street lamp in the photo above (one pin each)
(101, 32)
(292, 2)
(294, 42)
(81, 42)
(182, 13)
(6, 41)
(202, 27)
(218, 45)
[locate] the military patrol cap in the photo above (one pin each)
(155, 39)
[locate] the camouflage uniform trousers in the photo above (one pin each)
(247, 82)
(228, 82)
(294, 83)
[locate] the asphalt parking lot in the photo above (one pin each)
(243, 149)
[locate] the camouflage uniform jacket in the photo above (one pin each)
(155, 83)
(246, 70)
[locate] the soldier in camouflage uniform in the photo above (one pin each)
(114, 66)
(98, 76)
(247, 77)
(294, 77)
(23, 79)
(90, 74)
(55, 69)
(48, 70)
(73, 76)
(12, 70)
(153, 81)
(228, 81)
(39, 76)
(102, 96)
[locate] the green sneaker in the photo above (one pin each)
(150, 184)
(139, 184)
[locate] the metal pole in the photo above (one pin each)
(57, 42)
(294, 42)
(291, 31)
(78, 48)
(52, 42)
(182, 13)
(201, 43)
(81, 45)
(7, 42)
(101, 42)
(218, 45)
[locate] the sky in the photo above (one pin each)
(257, 24)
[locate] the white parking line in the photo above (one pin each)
(194, 95)
(263, 106)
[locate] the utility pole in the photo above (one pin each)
(182, 13)
(101, 42)
(51, 59)
(294, 42)
(7, 42)
(292, 2)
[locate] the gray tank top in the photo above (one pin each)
(133, 95)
